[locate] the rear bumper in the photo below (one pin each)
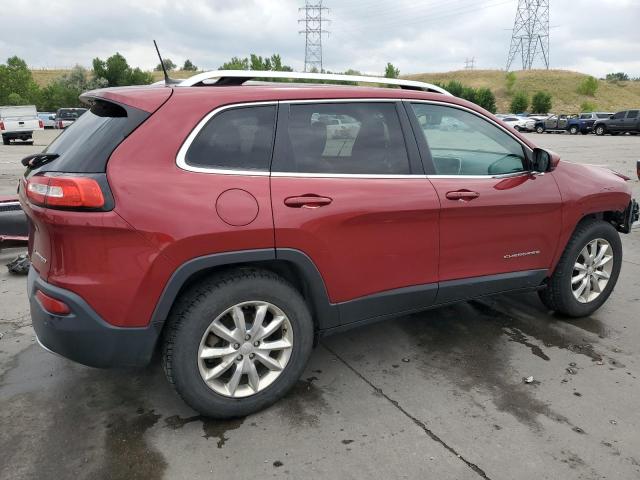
(82, 336)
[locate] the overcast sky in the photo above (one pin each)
(591, 36)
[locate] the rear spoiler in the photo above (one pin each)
(143, 98)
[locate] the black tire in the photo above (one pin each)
(539, 129)
(194, 312)
(600, 130)
(573, 130)
(6, 141)
(558, 295)
(517, 128)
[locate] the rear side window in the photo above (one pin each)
(235, 139)
(344, 138)
(86, 145)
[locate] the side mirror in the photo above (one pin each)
(52, 117)
(543, 160)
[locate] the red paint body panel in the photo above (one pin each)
(375, 235)
(587, 189)
(513, 215)
(144, 98)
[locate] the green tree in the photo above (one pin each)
(486, 99)
(541, 102)
(188, 66)
(588, 86)
(16, 78)
(256, 62)
(587, 106)
(469, 93)
(117, 72)
(510, 81)
(168, 64)
(236, 63)
(617, 77)
(390, 71)
(520, 102)
(454, 87)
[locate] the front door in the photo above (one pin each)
(355, 200)
(496, 217)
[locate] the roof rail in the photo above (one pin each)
(238, 77)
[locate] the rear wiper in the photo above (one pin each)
(38, 159)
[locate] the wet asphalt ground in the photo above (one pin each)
(432, 395)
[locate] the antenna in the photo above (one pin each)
(167, 79)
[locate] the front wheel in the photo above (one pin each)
(237, 342)
(587, 271)
(540, 129)
(573, 130)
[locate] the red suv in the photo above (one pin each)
(231, 226)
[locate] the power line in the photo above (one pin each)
(530, 36)
(313, 19)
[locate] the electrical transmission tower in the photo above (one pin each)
(312, 17)
(530, 37)
(469, 63)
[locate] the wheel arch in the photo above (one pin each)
(293, 265)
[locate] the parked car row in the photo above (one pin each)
(600, 123)
(19, 122)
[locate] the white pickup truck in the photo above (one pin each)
(19, 123)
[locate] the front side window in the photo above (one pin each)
(344, 138)
(618, 116)
(235, 139)
(474, 147)
(632, 114)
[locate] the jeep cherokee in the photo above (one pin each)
(230, 227)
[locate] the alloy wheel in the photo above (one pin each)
(245, 349)
(592, 270)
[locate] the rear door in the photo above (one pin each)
(496, 216)
(356, 202)
(631, 121)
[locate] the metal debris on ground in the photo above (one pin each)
(406, 360)
(19, 265)
(571, 371)
(529, 379)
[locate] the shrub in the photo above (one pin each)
(486, 99)
(541, 102)
(588, 86)
(511, 80)
(520, 102)
(587, 107)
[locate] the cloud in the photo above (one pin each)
(437, 35)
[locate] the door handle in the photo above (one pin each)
(307, 201)
(462, 195)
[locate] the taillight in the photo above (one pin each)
(65, 192)
(60, 125)
(40, 123)
(51, 304)
(1, 125)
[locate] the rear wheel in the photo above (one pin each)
(517, 128)
(539, 129)
(6, 141)
(587, 271)
(237, 342)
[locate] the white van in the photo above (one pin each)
(19, 123)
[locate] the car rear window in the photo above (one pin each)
(86, 145)
(235, 139)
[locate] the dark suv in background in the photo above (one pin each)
(232, 226)
(627, 121)
(66, 116)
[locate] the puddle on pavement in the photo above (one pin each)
(467, 339)
(303, 404)
(211, 428)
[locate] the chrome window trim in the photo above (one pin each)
(181, 158)
(182, 152)
(483, 117)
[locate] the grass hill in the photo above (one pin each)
(561, 84)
